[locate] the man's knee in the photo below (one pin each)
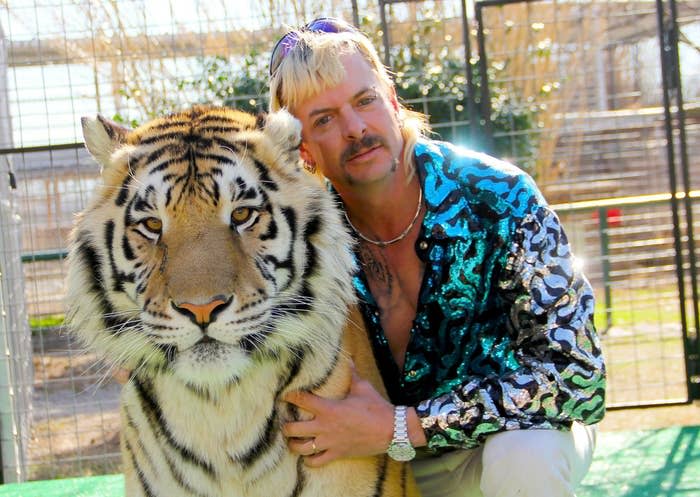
(530, 463)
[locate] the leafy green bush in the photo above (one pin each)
(428, 79)
(433, 81)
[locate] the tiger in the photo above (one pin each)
(217, 270)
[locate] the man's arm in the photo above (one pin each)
(561, 377)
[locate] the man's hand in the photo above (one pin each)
(361, 424)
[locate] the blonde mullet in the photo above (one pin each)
(314, 64)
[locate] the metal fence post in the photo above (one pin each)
(16, 368)
(672, 97)
(605, 263)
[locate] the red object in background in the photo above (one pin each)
(614, 215)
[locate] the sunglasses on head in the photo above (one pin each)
(290, 40)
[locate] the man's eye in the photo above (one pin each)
(368, 99)
(322, 120)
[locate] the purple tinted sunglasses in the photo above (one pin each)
(290, 40)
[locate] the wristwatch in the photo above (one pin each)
(400, 448)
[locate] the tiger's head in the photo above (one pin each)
(206, 247)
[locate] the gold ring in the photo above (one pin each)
(313, 446)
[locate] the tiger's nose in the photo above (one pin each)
(202, 314)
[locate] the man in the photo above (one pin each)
(479, 320)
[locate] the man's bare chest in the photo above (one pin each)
(394, 276)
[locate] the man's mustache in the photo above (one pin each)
(366, 142)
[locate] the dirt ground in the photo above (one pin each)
(648, 418)
(75, 426)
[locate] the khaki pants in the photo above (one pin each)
(522, 463)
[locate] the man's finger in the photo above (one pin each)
(299, 429)
(307, 401)
(319, 459)
(302, 446)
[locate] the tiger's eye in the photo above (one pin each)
(153, 224)
(241, 215)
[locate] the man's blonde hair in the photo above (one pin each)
(314, 64)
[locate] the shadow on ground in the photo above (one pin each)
(652, 463)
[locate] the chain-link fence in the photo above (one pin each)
(575, 97)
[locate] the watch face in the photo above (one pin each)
(401, 451)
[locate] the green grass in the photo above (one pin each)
(629, 306)
(46, 321)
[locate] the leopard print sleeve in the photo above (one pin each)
(561, 373)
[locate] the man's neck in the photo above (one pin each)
(382, 211)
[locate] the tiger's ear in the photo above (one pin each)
(284, 130)
(103, 137)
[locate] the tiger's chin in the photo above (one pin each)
(211, 365)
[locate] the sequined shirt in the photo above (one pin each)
(503, 336)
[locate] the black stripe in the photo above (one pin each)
(222, 142)
(169, 352)
(271, 231)
(166, 164)
(119, 277)
(311, 229)
(179, 477)
(139, 439)
(331, 368)
(221, 129)
(147, 491)
(155, 156)
(170, 135)
(264, 173)
(123, 191)
(264, 272)
(93, 263)
(301, 479)
(218, 158)
(117, 282)
(291, 218)
(170, 122)
(298, 354)
(143, 203)
(249, 194)
(223, 125)
(381, 477)
(264, 442)
(252, 341)
(215, 193)
(404, 479)
(158, 424)
(303, 301)
(126, 248)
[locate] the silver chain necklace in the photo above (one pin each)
(404, 233)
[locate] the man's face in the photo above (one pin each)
(350, 132)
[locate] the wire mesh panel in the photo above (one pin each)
(128, 60)
(574, 94)
(591, 73)
(75, 425)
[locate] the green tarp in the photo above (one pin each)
(653, 463)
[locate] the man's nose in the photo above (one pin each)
(354, 126)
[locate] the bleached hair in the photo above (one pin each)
(314, 64)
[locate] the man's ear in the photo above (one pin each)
(394, 99)
(306, 156)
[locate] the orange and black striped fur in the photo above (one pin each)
(216, 269)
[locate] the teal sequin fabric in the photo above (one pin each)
(503, 337)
